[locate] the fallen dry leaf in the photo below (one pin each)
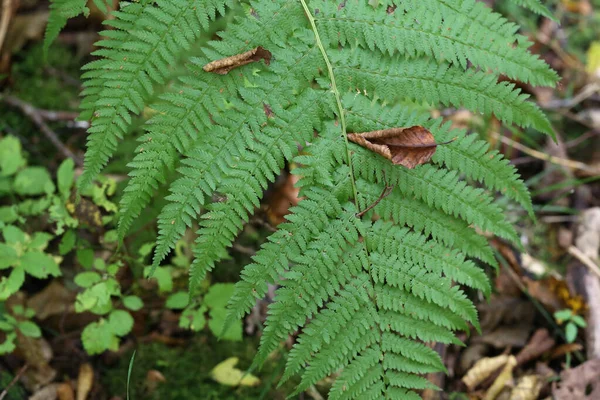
(540, 342)
(482, 369)
(580, 383)
(49, 392)
(504, 379)
(85, 381)
(402, 146)
(506, 336)
(565, 348)
(224, 65)
(225, 373)
(65, 392)
(153, 378)
(528, 388)
(55, 299)
(37, 353)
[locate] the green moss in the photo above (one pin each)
(187, 372)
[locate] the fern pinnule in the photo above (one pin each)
(134, 59)
(428, 29)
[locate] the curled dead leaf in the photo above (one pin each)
(402, 146)
(482, 369)
(224, 65)
(85, 381)
(528, 388)
(504, 379)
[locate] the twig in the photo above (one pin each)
(14, 380)
(586, 92)
(50, 115)
(588, 262)
(35, 116)
(386, 192)
(5, 20)
(546, 157)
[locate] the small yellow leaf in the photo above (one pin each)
(593, 59)
(226, 374)
(504, 379)
(482, 369)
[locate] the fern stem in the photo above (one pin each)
(338, 100)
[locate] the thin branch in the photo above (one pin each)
(37, 118)
(546, 157)
(588, 262)
(14, 380)
(386, 192)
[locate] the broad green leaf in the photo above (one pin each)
(65, 176)
(9, 285)
(217, 322)
(98, 337)
(120, 322)
(29, 329)
(5, 326)
(163, 277)
(177, 301)
(8, 214)
(33, 181)
(134, 303)
(67, 242)
(87, 279)
(39, 241)
(193, 319)
(13, 235)
(579, 321)
(8, 346)
(97, 296)
(8, 256)
(571, 332)
(85, 257)
(218, 295)
(39, 264)
(11, 159)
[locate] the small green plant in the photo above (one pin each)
(571, 322)
(101, 289)
(24, 254)
(210, 308)
(21, 322)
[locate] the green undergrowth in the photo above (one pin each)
(200, 356)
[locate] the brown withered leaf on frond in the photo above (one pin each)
(224, 65)
(402, 146)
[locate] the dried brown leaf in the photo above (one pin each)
(85, 381)
(503, 380)
(528, 388)
(540, 342)
(580, 383)
(482, 369)
(224, 65)
(402, 146)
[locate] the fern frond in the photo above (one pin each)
(537, 7)
(364, 295)
(392, 79)
(134, 58)
(60, 12)
(466, 154)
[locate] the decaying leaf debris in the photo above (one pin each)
(224, 65)
(402, 146)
